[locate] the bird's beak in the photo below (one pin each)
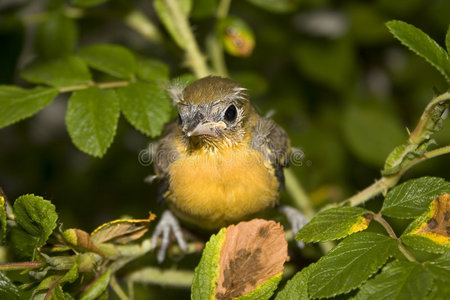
(205, 128)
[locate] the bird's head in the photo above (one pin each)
(213, 111)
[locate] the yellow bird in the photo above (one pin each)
(221, 162)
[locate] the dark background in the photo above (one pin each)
(345, 93)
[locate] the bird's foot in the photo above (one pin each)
(166, 225)
(296, 219)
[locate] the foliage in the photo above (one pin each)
(103, 80)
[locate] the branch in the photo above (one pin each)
(390, 231)
(422, 133)
(196, 60)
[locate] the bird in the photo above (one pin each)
(219, 162)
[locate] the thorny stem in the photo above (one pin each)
(196, 60)
(214, 45)
(390, 231)
(416, 137)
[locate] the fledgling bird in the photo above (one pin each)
(220, 162)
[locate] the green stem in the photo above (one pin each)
(140, 23)
(102, 85)
(152, 275)
(195, 58)
(223, 8)
(390, 231)
(117, 289)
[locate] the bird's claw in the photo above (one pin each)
(296, 219)
(167, 224)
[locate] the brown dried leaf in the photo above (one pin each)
(438, 226)
(252, 253)
(122, 230)
(80, 240)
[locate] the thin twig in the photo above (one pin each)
(390, 231)
(117, 289)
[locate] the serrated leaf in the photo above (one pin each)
(411, 198)
(398, 280)
(152, 70)
(334, 224)
(7, 289)
(122, 231)
(59, 72)
(280, 6)
(420, 43)
(255, 250)
(91, 119)
(35, 216)
(114, 60)
(87, 3)
(97, 287)
(56, 36)
(429, 232)
(2, 217)
(146, 106)
(23, 242)
(297, 287)
(166, 18)
(440, 267)
(350, 263)
(17, 103)
(207, 272)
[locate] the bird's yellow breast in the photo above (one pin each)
(216, 188)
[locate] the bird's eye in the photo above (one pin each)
(231, 113)
(180, 121)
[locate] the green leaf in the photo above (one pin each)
(7, 289)
(335, 223)
(114, 60)
(439, 290)
(279, 6)
(365, 127)
(64, 71)
(398, 280)
(297, 287)
(87, 3)
(23, 243)
(152, 70)
(35, 216)
(203, 9)
(146, 106)
(420, 43)
(91, 119)
(207, 271)
(166, 18)
(3, 225)
(440, 267)
(56, 36)
(17, 103)
(412, 198)
(263, 291)
(98, 287)
(350, 263)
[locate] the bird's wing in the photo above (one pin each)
(165, 154)
(274, 144)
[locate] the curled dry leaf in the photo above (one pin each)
(122, 230)
(80, 240)
(252, 253)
